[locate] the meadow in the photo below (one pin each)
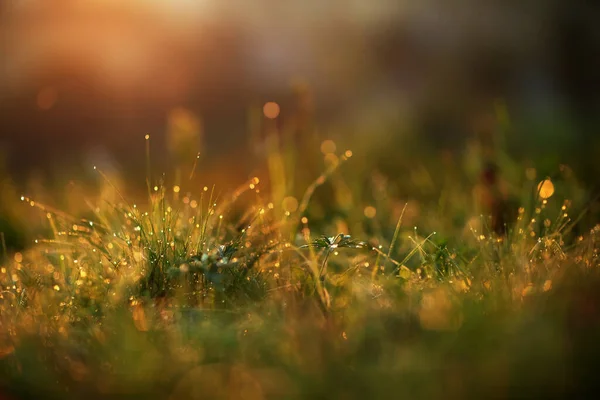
(335, 271)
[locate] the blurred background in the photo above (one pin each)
(82, 82)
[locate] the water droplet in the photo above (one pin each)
(545, 189)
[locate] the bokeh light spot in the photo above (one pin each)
(331, 160)
(328, 147)
(271, 110)
(370, 212)
(290, 204)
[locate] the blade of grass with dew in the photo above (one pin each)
(392, 244)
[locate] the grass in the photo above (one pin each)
(273, 293)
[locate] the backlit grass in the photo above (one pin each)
(291, 289)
